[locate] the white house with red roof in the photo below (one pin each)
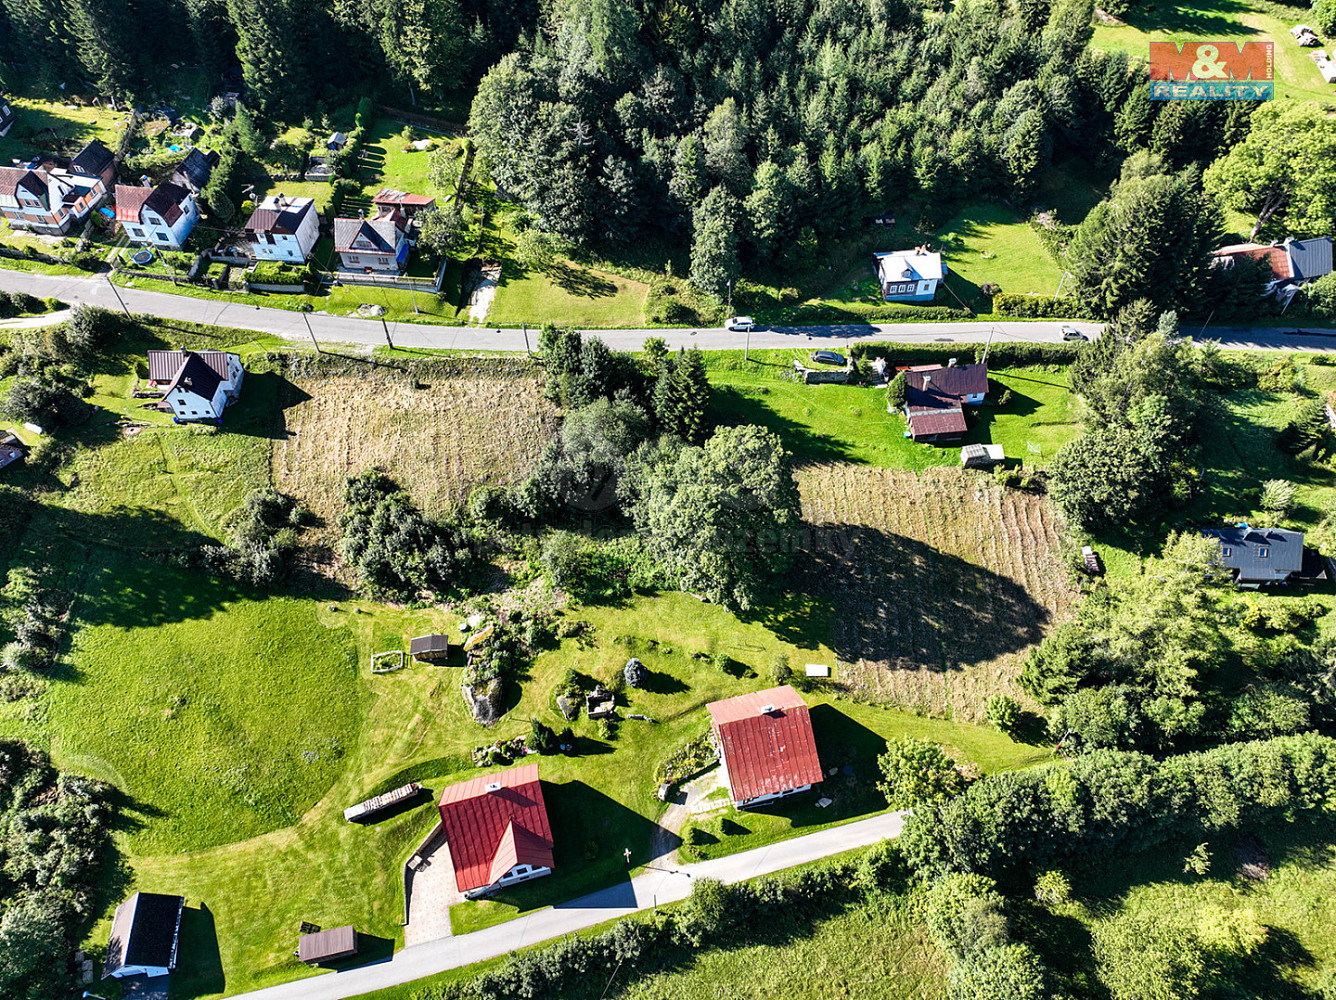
(161, 216)
(766, 745)
(497, 830)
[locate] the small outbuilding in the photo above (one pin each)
(327, 946)
(145, 933)
(430, 648)
(974, 456)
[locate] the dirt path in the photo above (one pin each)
(688, 801)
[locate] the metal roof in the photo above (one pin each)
(1309, 258)
(493, 821)
(144, 932)
(909, 265)
(1259, 554)
(767, 742)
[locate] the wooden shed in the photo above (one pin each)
(327, 946)
(367, 809)
(430, 648)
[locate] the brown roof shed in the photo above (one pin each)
(327, 946)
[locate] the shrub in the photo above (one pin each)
(1282, 376)
(1307, 430)
(1039, 306)
(1052, 888)
(1010, 972)
(1324, 16)
(780, 671)
(1277, 496)
(634, 673)
(964, 914)
(897, 391)
(915, 771)
(542, 738)
(1003, 712)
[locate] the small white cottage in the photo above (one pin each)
(196, 385)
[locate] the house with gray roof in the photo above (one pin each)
(145, 936)
(378, 245)
(1293, 263)
(1258, 557)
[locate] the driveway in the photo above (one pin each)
(689, 802)
(666, 884)
(433, 891)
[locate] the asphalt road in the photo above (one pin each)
(665, 885)
(98, 290)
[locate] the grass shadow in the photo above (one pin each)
(579, 281)
(661, 682)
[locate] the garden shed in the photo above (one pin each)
(430, 648)
(327, 946)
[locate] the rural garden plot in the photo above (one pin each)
(939, 582)
(438, 440)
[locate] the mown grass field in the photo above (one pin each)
(937, 583)
(439, 439)
(1225, 20)
(71, 127)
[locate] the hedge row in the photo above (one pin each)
(867, 312)
(1039, 306)
(1006, 355)
(1111, 800)
(575, 968)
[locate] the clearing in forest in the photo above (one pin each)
(939, 581)
(438, 430)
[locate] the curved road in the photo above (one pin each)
(98, 290)
(657, 885)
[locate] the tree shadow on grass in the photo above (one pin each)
(733, 406)
(662, 682)
(579, 281)
(899, 601)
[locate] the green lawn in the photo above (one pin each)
(568, 294)
(1224, 20)
(387, 164)
(850, 423)
(74, 126)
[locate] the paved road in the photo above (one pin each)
(33, 322)
(664, 885)
(97, 290)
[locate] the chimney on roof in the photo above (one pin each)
(927, 381)
(495, 786)
(767, 709)
(951, 363)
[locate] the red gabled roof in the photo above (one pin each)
(766, 751)
(492, 831)
(389, 196)
(955, 380)
(1275, 256)
(130, 200)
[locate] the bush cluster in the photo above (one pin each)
(262, 540)
(1024, 306)
(57, 841)
(1111, 800)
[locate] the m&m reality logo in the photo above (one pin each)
(1212, 71)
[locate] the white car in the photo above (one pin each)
(740, 324)
(1071, 333)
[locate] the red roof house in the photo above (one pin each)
(497, 830)
(936, 397)
(766, 745)
(388, 200)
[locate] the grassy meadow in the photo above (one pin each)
(1297, 77)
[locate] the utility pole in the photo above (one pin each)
(414, 294)
(118, 295)
(525, 327)
(387, 333)
(730, 296)
(1065, 276)
(311, 332)
(746, 351)
(988, 345)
